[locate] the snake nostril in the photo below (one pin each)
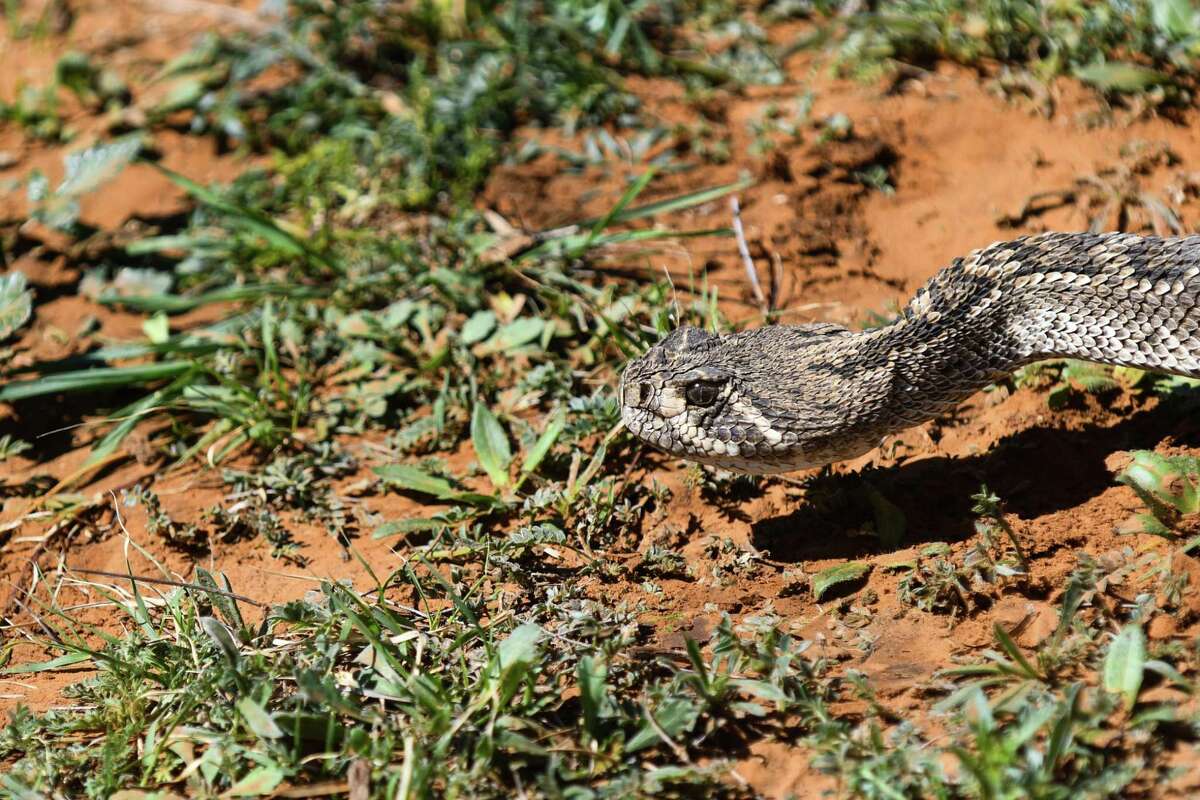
(637, 394)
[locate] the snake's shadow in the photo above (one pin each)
(1037, 471)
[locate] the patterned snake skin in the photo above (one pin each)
(788, 397)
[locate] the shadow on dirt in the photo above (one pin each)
(1034, 472)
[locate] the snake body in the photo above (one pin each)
(780, 398)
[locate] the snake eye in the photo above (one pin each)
(702, 393)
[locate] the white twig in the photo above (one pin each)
(740, 233)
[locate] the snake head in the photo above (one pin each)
(759, 401)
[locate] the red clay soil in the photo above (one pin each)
(960, 159)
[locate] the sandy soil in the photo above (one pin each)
(960, 159)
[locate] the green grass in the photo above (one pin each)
(442, 687)
(437, 691)
(356, 293)
(1142, 47)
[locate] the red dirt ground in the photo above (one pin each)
(962, 158)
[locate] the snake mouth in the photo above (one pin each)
(659, 433)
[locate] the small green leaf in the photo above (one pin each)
(520, 331)
(537, 453)
(591, 674)
(127, 282)
(1125, 663)
(258, 782)
(402, 526)
(184, 93)
(669, 205)
(1169, 486)
(414, 480)
(1061, 734)
(1120, 76)
(477, 327)
(157, 328)
(850, 572)
(222, 638)
(222, 602)
(16, 303)
(91, 380)
(87, 170)
(516, 655)
(635, 188)
(1170, 673)
(673, 715)
(67, 660)
(129, 416)
(1010, 647)
(520, 648)
(258, 720)
(1175, 18)
(763, 690)
(75, 71)
(491, 445)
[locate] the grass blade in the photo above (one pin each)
(541, 448)
(253, 221)
(176, 304)
(131, 415)
(1014, 652)
(628, 197)
(92, 380)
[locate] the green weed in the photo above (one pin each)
(1169, 486)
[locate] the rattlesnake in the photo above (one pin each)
(780, 398)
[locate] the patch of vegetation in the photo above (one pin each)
(1067, 381)
(1169, 486)
(1068, 713)
(937, 582)
(410, 690)
(36, 109)
(422, 102)
(418, 688)
(1145, 47)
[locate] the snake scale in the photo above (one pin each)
(780, 398)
